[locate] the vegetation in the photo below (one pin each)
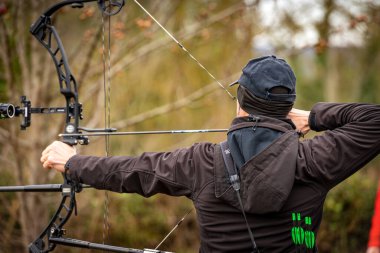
(333, 47)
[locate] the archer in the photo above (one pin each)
(263, 189)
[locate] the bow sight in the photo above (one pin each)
(25, 111)
(7, 111)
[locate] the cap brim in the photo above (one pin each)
(233, 83)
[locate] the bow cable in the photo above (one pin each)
(174, 228)
(184, 49)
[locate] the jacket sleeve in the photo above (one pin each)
(374, 233)
(171, 173)
(351, 139)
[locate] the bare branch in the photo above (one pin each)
(5, 52)
(185, 34)
(183, 102)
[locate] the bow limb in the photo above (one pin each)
(46, 34)
(54, 229)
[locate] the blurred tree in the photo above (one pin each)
(24, 70)
(332, 45)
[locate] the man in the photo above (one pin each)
(276, 181)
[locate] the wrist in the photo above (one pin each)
(67, 166)
(312, 121)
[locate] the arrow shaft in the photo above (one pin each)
(149, 132)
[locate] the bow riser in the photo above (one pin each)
(47, 35)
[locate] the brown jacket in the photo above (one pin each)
(351, 139)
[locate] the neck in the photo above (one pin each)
(241, 113)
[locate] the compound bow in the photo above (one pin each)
(44, 31)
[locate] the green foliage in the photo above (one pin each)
(347, 215)
(9, 217)
(3, 96)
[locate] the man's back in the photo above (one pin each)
(352, 139)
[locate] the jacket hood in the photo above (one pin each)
(264, 151)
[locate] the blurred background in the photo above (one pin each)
(332, 45)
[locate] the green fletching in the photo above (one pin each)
(294, 237)
(312, 237)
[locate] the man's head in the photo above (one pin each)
(267, 87)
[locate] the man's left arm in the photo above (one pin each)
(170, 173)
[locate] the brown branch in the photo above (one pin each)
(20, 47)
(91, 51)
(180, 103)
(185, 34)
(5, 52)
(9, 224)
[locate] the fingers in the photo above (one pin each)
(47, 159)
(56, 155)
(44, 158)
(300, 119)
(46, 164)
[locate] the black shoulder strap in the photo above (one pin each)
(235, 181)
(229, 161)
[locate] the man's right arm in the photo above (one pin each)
(350, 140)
